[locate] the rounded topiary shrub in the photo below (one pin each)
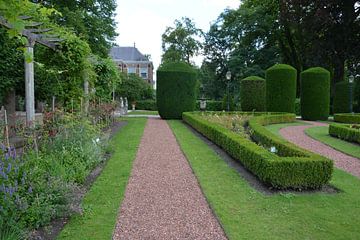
(280, 88)
(253, 94)
(315, 94)
(342, 97)
(175, 89)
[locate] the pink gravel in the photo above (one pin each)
(296, 135)
(163, 199)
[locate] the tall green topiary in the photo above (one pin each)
(315, 94)
(175, 89)
(253, 94)
(341, 97)
(281, 88)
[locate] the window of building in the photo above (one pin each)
(131, 70)
(144, 73)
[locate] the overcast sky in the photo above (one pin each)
(144, 21)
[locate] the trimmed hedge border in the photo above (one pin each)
(347, 118)
(145, 105)
(293, 167)
(211, 105)
(345, 132)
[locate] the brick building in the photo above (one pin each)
(131, 60)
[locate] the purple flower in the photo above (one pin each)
(8, 168)
(30, 189)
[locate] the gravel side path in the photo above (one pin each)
(163, 199)
(296, 135)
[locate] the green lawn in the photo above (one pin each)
(322, 134)
(275, 128)
(247, 214)
(102, 202)
(143, 112)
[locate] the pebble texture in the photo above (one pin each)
(163, 199)
(296, 135)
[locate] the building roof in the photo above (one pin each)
(127, 54)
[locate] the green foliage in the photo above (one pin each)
(179, 43)
(93, 20)
(11, 64)
(134, 88)
(281, 88)
(291, 168)
(253, 94)
(315, 94)
(349, 133)
(211, 105)
(297, 107)
(347, 118)
(176, 89)
(38, 186)
(228, 99)
(149, 104)
(342, 97)
(108, 78)
(63, 71)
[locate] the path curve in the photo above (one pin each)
(296, 135)
(163, 199)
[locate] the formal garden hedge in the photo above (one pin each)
(347, 118)
(176, 89)
(315, 94)
(211, 105)
(146, 105)
(291, 167)
(281, 88)
(341, 97)
(347, 132)
(253, 94)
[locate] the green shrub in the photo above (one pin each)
(293, 167)
(280, 88)
(315, 94)
(342, 97)
(347, 118)
(350, 133)
(297, 107)
(211, 105)
(146, 105)
(176, 89)
(225, 100)
(253, 94)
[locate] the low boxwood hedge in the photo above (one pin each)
(293, 167)
(347, 118)
(347, 132)
(211, 105)
(146, 105)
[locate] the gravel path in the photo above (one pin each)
(163, 199)
(296, 135)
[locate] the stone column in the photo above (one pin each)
(29, 84)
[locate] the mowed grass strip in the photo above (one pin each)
(102, 202)
(275, 128)
(322, 135)
(143, 112)
(247, 214)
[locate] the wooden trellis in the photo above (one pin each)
(34, 35)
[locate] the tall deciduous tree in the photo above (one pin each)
(92, 20)
(182, 42)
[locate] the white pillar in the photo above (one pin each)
(29, 85)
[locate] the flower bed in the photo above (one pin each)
(291, 167)
(347, 132)
(347, 118)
